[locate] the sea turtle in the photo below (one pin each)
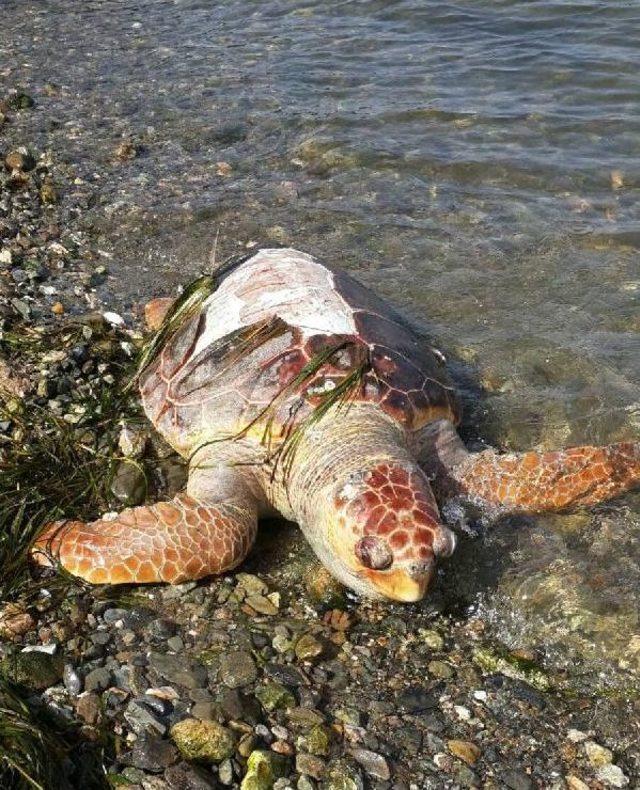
(293, 389)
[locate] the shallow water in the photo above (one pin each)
(476, 162)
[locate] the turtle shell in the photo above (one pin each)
(280, 335)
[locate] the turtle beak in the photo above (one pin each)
(402, 583)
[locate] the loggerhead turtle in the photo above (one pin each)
(293, 389)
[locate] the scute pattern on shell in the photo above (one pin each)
(199, 391)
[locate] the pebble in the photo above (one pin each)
(275, 696)
(263, 768)
(203, 740)
(612, 775)
(464, 750)
(575, 783)
(238, 669)
(374, 764)
(308, 647)
(88, 708)
(141, 719)
(71, 680)
(431, 638)
(262, 604)
(440, 670)
(311, 765)
(152, 753)
(98, 679)
(596, 754)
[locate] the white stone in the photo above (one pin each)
(612, 775)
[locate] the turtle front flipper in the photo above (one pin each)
(553, 481)
(174, 541)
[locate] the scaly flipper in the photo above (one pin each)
(530, 482)
(167, 542)
(536, 482)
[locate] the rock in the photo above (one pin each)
(612, 775)
(464, 750)
(251, 584)
(225, 772)
(308, 647)
(311, 765)
(126, 151)
(261, 604)
(290, 676)
(161, 629)
(341, 776)
(323, 589)
(98, 679)
(129, 483)
(88, 708)
(431, 638)
(14, 620)
(175, 644)
(263, 768)
(274, 696)
(416, 699)
(35, 670)
(440, 670)
(176, 670)
(238, 669)
(206, 711)
(71, 680)
(374, 764)
(189, 777)
(203, 740)
(48, 193)
(20, 159)
(151, 753)
(140, 718)
(318, 740)
(596, 754)
(517, 780)
(223, 169)
(20, 101)
(574, 783)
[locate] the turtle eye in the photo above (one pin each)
(374, 553)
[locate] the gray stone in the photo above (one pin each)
(88, 708)
(129, 484)
(71, 680)
(140, 718)
(374, 764)
(310, 765)
(151, 753)
(612, 775)
(238, 669)
(176, 644)
(98, 679)
(225, 772)
(283, 673)
(176, 670)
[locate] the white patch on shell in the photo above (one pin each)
(282, 282)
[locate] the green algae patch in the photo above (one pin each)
(512, 666)
(206, 741)
(263, 768)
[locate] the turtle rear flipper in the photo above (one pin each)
(553, 481)
(167, 542)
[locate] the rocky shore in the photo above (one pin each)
(272, 677)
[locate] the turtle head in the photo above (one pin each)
(384, 531)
